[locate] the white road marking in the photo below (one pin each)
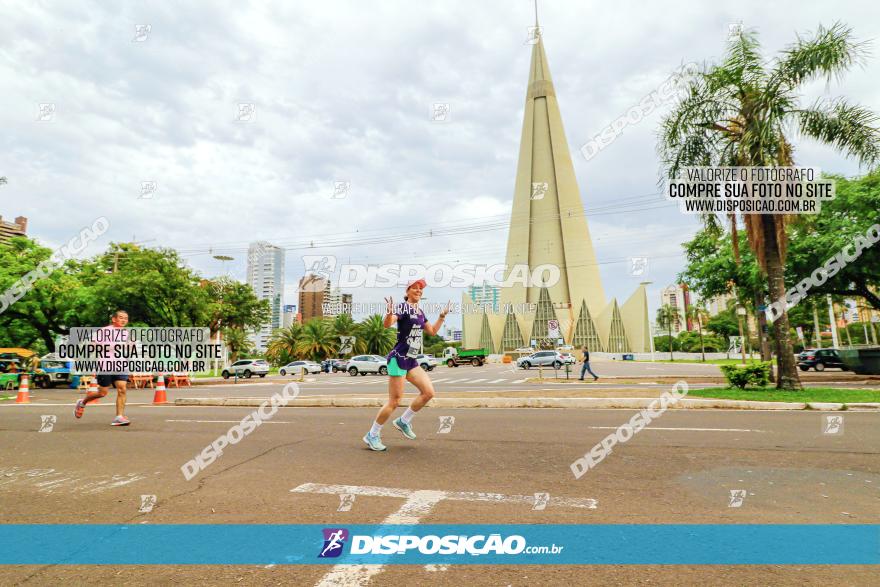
(497, 380)
(227, 421)
(43, 481)
(519, 381)
(682, 429)
(418, 504)
(477, 380)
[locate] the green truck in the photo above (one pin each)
(455, 357)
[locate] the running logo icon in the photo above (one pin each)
(832, 424)
(446, 423)
(334, 541)
(47, 423)
(737, 497)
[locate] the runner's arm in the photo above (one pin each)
(433, 329)
(390, 316)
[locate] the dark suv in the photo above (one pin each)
(819, 359)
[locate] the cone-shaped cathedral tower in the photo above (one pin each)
(548, 227)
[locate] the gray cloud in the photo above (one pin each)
(343, 91)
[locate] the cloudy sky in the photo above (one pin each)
(343, 91)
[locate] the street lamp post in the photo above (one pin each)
(223, 259)
(740, 313)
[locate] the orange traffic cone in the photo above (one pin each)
(93, 388)
(159, 396)
(24, 396)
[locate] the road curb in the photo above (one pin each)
(626, 403)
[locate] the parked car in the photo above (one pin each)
(297, 367)
(364, 364)
(246, 368)
(337, 365)
(427, 362)
(568, 358)
(542, 358)
(819, 359)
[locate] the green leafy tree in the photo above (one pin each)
(724, 323)
(47, 308)
(282, 344)
(667, 317)
(666, 343)
(344, 325)
(697, 314)
(233, 304)
(377, 339)
(741, 111)
(152, 285)
(238, 343)
(816, 238)
(317, 341)
(716, 267)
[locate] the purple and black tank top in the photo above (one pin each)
(410, 334)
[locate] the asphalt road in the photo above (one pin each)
(681, 470)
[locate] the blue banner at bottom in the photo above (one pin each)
(502, 544)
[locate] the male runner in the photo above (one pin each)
(411, 324)
(118, 319)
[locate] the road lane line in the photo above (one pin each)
(498, 380)
(227, 421)
(681, 429)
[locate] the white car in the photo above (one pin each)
(364, 364)
(568, 358)
(246, 368)
(542, 358)
(297, 367)
(427, 362)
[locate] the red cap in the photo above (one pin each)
(423, 283)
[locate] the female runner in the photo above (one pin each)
(411, 325)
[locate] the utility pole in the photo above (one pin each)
(816, 332)
(833, 323)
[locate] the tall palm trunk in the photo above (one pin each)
(671, 358)
(766, 355)
(787, 367)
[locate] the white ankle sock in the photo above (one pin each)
(407, 416)
(376, 429)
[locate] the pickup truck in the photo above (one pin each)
(455, 357)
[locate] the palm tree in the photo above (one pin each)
(697, 313)
(377, 339)
(238, 343)
(667, 317)
(282, 344)
(344, 325)
(317, 340)
(740, 113)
